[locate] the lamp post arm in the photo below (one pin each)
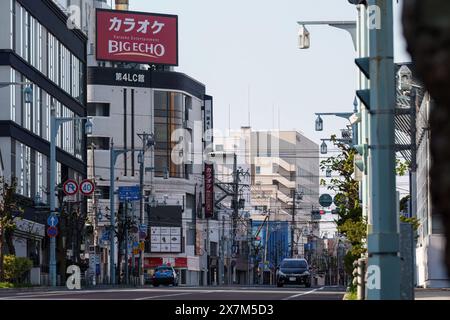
(344, 115)
(349, 26)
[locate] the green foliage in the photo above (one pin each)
(9, 208)
(404, 203)
(352, 294)
(16, 267)
(356, 233)
(4, 285)
(401, 167)
(414, 221)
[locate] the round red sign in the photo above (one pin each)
(70, 187)
(87, 187)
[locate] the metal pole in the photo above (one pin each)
(112, 215)
(266, 248)
(383, 279)
(52, 187)
(141, 214)
(127, 278)
(235, 201)
(293, 224)
(222, 254)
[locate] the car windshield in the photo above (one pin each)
(294, 264)
(163, 269)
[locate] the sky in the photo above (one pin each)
(246, 53)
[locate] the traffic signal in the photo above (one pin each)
(335, 211)
(360, 159)
(364, 66)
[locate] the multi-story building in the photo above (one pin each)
(124, 101)
(279, 163)
(39, 52)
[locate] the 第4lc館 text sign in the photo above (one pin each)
(138, 37)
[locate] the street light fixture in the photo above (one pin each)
(323, 148)
(328, 172)
(28, 93)
(304, 38)
(319, 123)
(88, 127)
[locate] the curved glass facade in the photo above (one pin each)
(169, 116)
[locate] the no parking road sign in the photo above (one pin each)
(70, 187)
(52, 232)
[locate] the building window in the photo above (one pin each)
(258, 170)
(101, 143)
(103, 192)
(98, 109)
(13, 95)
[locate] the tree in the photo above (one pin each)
(350, 222)
(124, 223)
(9, 210)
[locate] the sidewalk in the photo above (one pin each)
(433, 294)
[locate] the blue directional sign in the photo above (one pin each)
(52, 221)
(129, 193)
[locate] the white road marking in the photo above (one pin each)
(301, 294)
(163, 296)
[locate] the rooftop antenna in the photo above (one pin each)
(249, 124)
(273, 116)
(279, 127)
(229, 118)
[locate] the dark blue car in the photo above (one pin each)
(165, 275)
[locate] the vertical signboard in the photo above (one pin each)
(139, 37)
(209, 190)
(208, 120)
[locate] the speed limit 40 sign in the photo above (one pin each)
(87, 187)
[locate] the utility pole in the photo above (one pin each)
(222, 254)
(383, 279)
(293, 223)
(266, 246)
(148, 141)
(235, 201)
(126, 224)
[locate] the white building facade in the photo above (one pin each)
(125, 100)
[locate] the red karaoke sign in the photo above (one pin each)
(209, 190)
(138, 37)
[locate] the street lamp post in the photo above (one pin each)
(54, 128)
(383, 281)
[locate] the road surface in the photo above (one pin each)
(182, 293)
